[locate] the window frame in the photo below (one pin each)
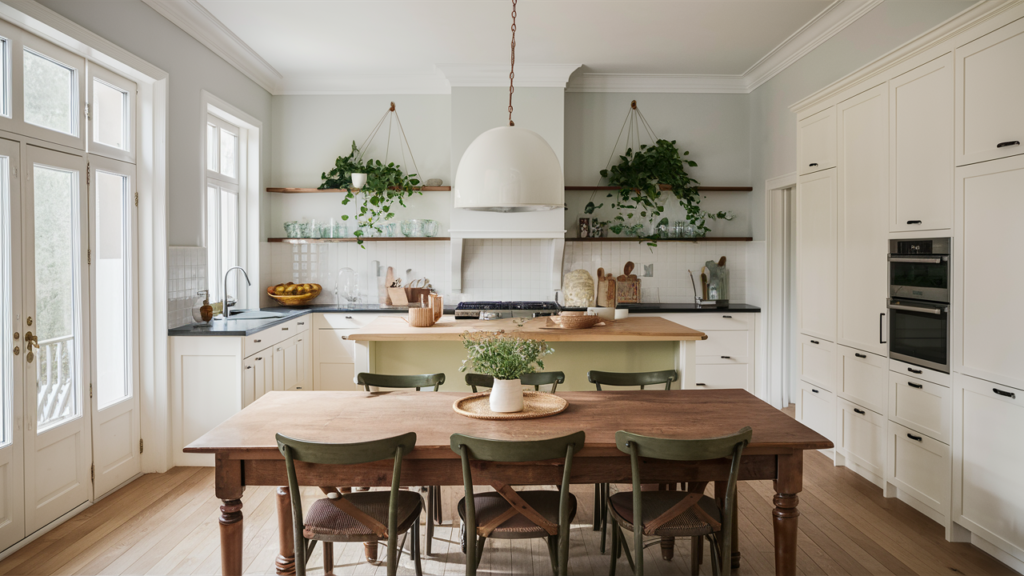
(213, 178)
(131, 89)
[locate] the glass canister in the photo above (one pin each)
(412, 228)
(292, 230)
(348, 285)
(314, 228)
(329, 229)
(430, 228)
(390, 229)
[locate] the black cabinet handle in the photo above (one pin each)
(248, 367)
(912, 371)
(1004, 393)
(302, 323)
(815, 390)
(701, 384)
(726, 316)
(257, 341)
(285, 328)
(859, 411)
(881, 322)
(918, 386)
(1010, 143)
(859, 355)
(726, 357)
(815, 342)
(913, 221)
(812, 164)
(348, 317)
(912, 437)
(258, 358)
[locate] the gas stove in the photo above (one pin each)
(496, 310)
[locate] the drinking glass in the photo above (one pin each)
(390, 229)
(430, 228)
(412, 228)
(314, 228)
(292, 230)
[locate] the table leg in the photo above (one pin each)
(285, 562)
(785, 515)
(231, 538)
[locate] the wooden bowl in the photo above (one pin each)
(574, 321)
(293, 299)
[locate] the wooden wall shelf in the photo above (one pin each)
(627, 239)
(373, 239)
(665, 187)
(342, 190)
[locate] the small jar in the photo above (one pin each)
(412, 228)
(430, 228)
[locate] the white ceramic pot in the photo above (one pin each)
(507, 396)
(358, 180)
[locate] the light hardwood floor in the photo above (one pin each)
(167, 524)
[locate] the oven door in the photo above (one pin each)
(919, 277)
(919, 333)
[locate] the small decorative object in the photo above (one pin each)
(348, 285)
(535, 405)
(434, 182)
(506, 358)
(358, 179)
(578, 289)
(314, 229)
(430, 228)
(690, 231)
(606, 295)
(390, 229)
(202, 312)
(342, 230)
(293, 294)
(411, 228)
(292, 230)
(306, 231)
(627, 286)
(604, 313)
(596, 228)
(718, 281)
(421, 317)
(574, 321)
(329, 229)
(583, 229)
(437, 303)
(648, 270)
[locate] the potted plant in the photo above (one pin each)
(506, 358)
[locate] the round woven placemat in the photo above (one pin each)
(535, 405)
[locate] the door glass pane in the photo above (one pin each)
(113, 331)
(55, 252)
(211, 147)
(50, 99)
(229, 239)
(213, 242)
(5, 85)
(6, 310)
(228, 154)
(109, 115)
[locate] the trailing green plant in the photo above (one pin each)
(503, 356)
(385, 185)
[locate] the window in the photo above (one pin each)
(111, 107)
(5, 77)
(223, 208)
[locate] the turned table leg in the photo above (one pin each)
(285, 562)
(785, 515)
(231, 537)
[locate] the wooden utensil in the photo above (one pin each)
(389, 279)
(627, 286)
(398, 297)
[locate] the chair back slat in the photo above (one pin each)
(517, 450)
(354, 453)
(417, 381)
(641, 379)
(683, 450)
(535, 379)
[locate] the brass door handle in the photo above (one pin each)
(31, 340)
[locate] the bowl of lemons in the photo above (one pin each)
(294, 294)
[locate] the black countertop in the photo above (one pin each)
(250, 327)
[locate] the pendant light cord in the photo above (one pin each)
(512, 71)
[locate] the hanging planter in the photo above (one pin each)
(379, 185)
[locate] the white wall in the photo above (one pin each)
(192, 68)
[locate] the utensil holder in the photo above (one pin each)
(421, 317)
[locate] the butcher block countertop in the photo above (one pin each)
(395, 328)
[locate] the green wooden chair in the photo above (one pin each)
(363, 517)
(435, 515)
(677, 514)
(508, 514)
(537, 379)
(643, 380)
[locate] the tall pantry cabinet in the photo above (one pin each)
(928, 142)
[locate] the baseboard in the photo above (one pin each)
(998, 553)
(933, 514)
(35, 535)
(870, 476)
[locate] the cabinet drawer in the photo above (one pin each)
(861, 437)
(921, 405)
(342, 321)
(920, 373)
(705, 321)
(989, 82)
(919, 465)
(275, 334)
(818, 361)
(723, 376)
(863, 378)
(816, 146)
(721, 343)
(816, 409)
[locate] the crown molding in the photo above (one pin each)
(666, 83)
(358, 84)
(199, 23)
(496, 75)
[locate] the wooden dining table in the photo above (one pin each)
(246, 452)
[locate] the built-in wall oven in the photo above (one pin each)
(919, 297)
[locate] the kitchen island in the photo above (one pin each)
(388, 345)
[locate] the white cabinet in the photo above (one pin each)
(816, 409)
(291, 363)
(816, 254)
(988, 424)
(724, 375)
(990, 202)
(863, 378)
(921, 405)
(860, 440)
(333, 353)
(726, 358)
(921, 147)
(919, 465)
(863, 225)
(816, 142)
(989, 87)
(818, 362)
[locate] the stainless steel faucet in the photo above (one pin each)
(225, 305)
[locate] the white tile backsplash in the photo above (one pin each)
(186, 276)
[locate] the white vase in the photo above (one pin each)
(358, 180)
(507, 396)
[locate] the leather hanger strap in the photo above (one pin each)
(519, 505)
(371, 523)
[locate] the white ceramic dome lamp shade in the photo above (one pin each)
(509, 169)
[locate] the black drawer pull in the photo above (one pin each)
(302, 323)
(701, 384)
(726, 316)
(913, 371)
(1004, 393)
(257, 341)
(913, 221)
(248, 367)
(1010, 143)
(918, 386)
(726, 357)
(348, 317)
(285, 328)
(859, 355)
(812, 164)
(258, 358)
(815, 342)
(815, 390)
(912, 437)
(859, 411)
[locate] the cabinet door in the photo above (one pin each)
(277, 367)
(919, 465)
(303, 368)
(990, 202)
(921, 140)
(863, 192)
(816, 254)
(818, 362)
(727, 375)
(989, 461)
(263, 382)
(334, 367)
(861, 439)
(248, 383)
(816, 142)
(921, 405)
(989, 85)
(816, 409)
(863, 378)
(290, 356)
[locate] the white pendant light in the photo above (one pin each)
(509, 169)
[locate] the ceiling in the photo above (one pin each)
(320, 46)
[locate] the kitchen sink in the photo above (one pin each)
(255, 315)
